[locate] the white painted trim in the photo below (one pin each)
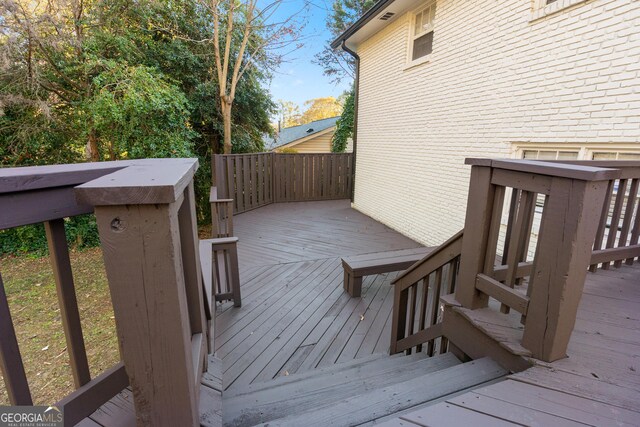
(410, 63)
(541, 9)
(585, 151)
(419, 61)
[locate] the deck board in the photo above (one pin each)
(295, 315)
(291, 232)
(597, 384)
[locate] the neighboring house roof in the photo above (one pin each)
(291, 134)
(379, 16)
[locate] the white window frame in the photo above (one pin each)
(585, 151)
(413, 35)
(540, 8)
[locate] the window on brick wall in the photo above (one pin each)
(550, 154)
(542, 8)
(422, 31)
(615, 155)
(576, 152)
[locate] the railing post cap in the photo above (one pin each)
(556, 169)
(146, 181)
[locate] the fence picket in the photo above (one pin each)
(255, 180)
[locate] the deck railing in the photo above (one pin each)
(256, 180)
(618, 234)
(532, 229)
(145, 212)
(416, 303)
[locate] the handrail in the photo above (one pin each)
(495, 259)
(145, 210)
(440, 256)
(417, 291)
(590, 215)
(45, 194)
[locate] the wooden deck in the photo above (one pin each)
(295, 314)
(598, 384)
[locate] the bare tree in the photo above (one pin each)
(246, 36)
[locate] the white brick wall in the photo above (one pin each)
(494, 79)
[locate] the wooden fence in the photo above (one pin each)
(255, 180)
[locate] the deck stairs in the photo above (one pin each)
(357, 392)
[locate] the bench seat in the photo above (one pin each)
(357, 266)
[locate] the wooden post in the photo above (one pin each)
(213, 170)
(153, 289)
(476, 235)
(193, 277)
(567, 231)
(399, 318)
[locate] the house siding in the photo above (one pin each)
(318, 144)
(494, 78)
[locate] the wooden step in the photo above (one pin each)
(388, 400)
(324, 371)
(294, 397)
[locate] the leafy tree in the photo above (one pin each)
(289, 113)
(337, 63)
(139, 113)
(111, 79)
(344, 125)
(243, 38)
(321, 108)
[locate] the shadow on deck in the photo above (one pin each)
(295, 315)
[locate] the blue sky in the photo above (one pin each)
(298, 78)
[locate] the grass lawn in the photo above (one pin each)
(33, 302)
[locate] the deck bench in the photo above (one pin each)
(358, 266)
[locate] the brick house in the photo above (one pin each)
(443, 80)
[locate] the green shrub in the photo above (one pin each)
(81, 231)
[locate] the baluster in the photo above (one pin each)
(435, 304)
(628, 216)
(529, 213)
(494, 230)
(516, 246)
(61, 265)
(602, 225)
(450, 284)
(615, 218)
(423, 308)
(11, 366)
(413, 293)
(513, 207)
(635, 234)
(453, 275)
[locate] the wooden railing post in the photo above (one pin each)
(476, 231)
(567, 231)
(155, 292)
(399, 318)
